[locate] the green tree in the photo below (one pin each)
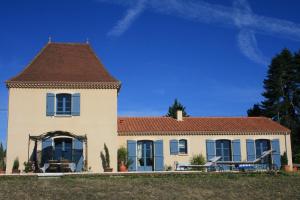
(281, 94)
(173, 110)
(256, 110)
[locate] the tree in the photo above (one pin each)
(256, 110)
(282, 94)
(173, 110)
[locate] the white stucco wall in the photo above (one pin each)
(197, 145)
(97, 120)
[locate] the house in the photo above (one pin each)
(63, 106)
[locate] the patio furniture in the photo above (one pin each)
(210, 164)
(59, 166)
(249, 165)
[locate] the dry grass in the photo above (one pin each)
(197, 186)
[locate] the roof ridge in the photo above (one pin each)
(199, 117)
(144, 117)
(70, 43)
(99, 61)
(30, 63)
(64, 62)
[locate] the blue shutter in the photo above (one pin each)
(78, 154)
(131, 148)
(46, 150)
(250, 144)
(159, 155)
(236, 150)
(50, 104)
(210, 149)
(75, 104)
(173, 147)
(276, 154)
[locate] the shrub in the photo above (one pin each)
(198, 160)
(297, 158)
(105, 158)
(284, 159)
(16, 164)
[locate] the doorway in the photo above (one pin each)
(145, 155)
(62, 149)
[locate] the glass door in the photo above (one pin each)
(63, 149)
(145, 155)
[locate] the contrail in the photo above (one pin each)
(239, 16)
(130, 16)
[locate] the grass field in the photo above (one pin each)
(196, 186)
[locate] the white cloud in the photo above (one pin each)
(248, 46)
(239, 16)
(128, 19)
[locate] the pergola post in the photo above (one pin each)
(86, 154)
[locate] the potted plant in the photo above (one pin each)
(284, 162)
(123, 161)
(28, 167)
(2, 167)
(105, 160)
(15, 169)
(2, 158)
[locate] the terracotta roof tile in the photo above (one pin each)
(65, 62)
(198, 124)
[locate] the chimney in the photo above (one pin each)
(179, 115)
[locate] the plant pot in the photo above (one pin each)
(295, 169)
(16, 171)
(122, 168)
(287, 168)
(108, 169)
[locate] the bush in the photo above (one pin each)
(16, 164)
(297, 158)
(198, 160)
(284, 160)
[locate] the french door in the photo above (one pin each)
(145, 155)
(62, 149)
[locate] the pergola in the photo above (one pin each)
(53, 134)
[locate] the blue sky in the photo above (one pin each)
(211, 55)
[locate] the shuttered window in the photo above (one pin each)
(63, 104)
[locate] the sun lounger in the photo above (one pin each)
(211, 162)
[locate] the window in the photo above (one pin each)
(63, 104)
(182, 146)
(223, 149)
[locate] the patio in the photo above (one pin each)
(60, 152)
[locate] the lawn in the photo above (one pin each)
(196, 186)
